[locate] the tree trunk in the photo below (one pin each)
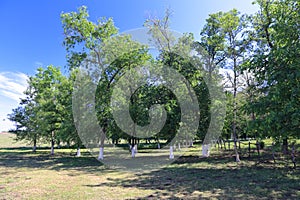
(293, 155)
(285, 146)
(237, 156)
(273, 152)
(133, 150)
(171, 153)
(205, 150)
(34, 146)
(52, 143)
(52, 147)
(249, 149)
(191, 143)
(102, 139)
(101, 156)
(258, 148)
(78, 154)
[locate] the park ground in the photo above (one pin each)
(27, 175)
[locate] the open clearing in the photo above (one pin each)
(27, 175)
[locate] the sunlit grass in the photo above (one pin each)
(27, 175)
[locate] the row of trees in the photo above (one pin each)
(259, 52)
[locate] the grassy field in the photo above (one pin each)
(27, 175)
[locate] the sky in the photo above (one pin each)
(31, 33)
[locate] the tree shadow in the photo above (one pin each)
(182, 181)
(43, 160)
(189, 177)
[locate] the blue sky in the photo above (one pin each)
(31, 33)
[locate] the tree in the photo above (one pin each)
(275, 63)
(46, 84)
(25, 117)
(110, 57)
(212, 44)
(67, 132)
(223, 39)
(40, 113)
(176, 54)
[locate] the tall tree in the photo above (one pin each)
(46, 84)
(276, 64)
(67, 132)
(39, 115)
(25, 117)
(212, 44)
(175, 53)
(110, 56)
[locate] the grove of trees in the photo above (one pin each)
(259, 55)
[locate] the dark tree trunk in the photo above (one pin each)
(249, 148)
(258, 147)
(52, 146)
(34, 146)
(285, 146)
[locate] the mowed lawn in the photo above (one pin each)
(27, 175)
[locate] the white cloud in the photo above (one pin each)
(38, 64)
(12, 85)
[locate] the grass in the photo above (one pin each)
(27, 175)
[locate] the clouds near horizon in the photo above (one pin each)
(12, 87)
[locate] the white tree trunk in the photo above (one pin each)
(179, 148)
(78, 154)
(100, 157)
(133, 151)
(205, 150)
(191, 143)
(158, 146)
(171, 152)
(52, 150)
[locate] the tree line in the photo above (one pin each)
(258, 55)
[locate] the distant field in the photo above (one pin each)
(27, 175)
(8, 140)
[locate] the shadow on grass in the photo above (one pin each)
(218, 176)
(25, 158)
(189, 177)
(183, 182)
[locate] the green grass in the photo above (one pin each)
(27, 175)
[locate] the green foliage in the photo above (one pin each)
(262, 50)
(46, 111)
(276, 66)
